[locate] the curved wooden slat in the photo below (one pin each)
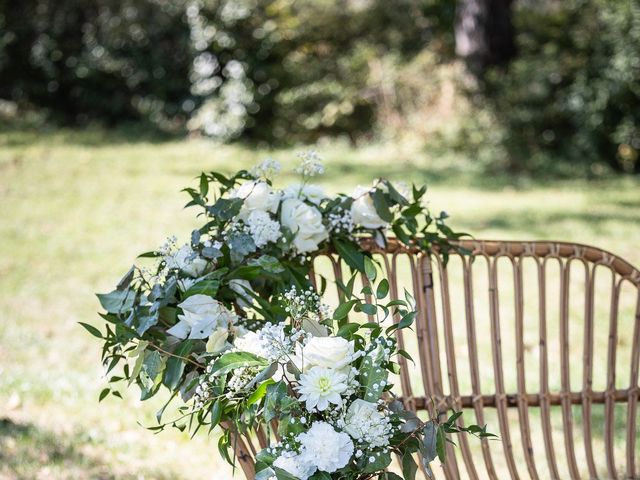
(436, 344)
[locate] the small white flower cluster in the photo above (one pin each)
(306, 303)
(310, 164)
(340, 222)
(170, 245)
(267, 169)
(270, 342)
(262, 228)
(369, 426)
(239, 379)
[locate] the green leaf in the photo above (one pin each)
(232, 360)
(283, 474)
(350, 254)
(91, 329)
(208, 287)
(175, 366)
(343, 310)
(118, 301)
(409, 466)
(103, 394)
(381, 206)
(216, 414)
(407, 320)
(383, 289)
(347, 330)
(369, 308)
(441, 444)
(382, 461)
(204, 185)
(259, 393)
(320, 475)
(370, 269)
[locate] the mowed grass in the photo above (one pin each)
(77, 207)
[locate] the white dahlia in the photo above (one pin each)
(321, 386)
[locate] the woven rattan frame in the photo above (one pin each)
(433, 300)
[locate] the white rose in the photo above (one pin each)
(363, 211)
(312, 193)
(257, 195)
(325, 448)
(252, 343)
(243, 289)
(187, 260)
(305, 222)
(201, 315)
(327, 352)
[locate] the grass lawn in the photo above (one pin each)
(75, 210)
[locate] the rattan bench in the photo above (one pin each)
(539, 340)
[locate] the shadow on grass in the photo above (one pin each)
(29, 452)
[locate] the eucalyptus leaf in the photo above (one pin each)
(118, 301)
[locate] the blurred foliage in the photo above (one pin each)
(570, 100)
(285, 71)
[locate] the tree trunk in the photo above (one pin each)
(484, 33)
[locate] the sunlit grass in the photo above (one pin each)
(75, 209)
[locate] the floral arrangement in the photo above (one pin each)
(231, 324)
